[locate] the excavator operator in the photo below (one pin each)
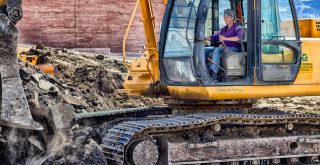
(229, 36)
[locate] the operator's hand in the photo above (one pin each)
(207, 41)
(222, 38)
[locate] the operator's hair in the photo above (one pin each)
(229, 12)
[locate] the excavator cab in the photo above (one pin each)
(271, 46)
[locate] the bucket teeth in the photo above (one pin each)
(15, 110)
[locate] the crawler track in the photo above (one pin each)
(117, 142)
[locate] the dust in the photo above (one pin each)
(15, 146)
(55, 146)
(12, 140)
(83, 149)
(59, 140)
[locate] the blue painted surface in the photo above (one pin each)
(308, 8)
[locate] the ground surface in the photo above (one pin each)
(310, 104)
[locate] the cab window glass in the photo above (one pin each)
(277, 54)
(223, 4)
(245, 14)
(180, 37)
(277, 20)
(209, 22)
(276, 25)
(287, 28)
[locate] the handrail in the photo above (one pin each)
(149, 58)
(152, 16)
(124, 54)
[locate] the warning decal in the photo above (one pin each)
(306, 68)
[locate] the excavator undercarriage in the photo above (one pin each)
(252, 136)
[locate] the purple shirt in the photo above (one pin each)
(235, 30)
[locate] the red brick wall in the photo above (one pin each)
(83, 23)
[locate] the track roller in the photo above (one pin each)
(144, 152)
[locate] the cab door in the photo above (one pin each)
(177, 43)
(279, 47)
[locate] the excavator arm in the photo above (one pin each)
(143, 77)
(15, 110)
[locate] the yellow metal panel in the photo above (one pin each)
(309, 72)
(139, 79)
(31, 59)
(309, 28)
(3, 2)
(242, 92)
(165, 2)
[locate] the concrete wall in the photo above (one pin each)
(83, 23)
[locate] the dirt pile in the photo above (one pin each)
(88, 82)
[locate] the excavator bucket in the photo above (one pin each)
(15, 110)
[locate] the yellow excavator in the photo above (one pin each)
(214, 123)
(205, 122)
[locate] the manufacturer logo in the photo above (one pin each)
(304, 57)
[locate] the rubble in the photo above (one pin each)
(83, 83)
(89, 83)
(100, 57)
(97, 82)
(62, 115)
(33, 140)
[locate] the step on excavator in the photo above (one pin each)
(215, 123)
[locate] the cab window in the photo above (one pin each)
(277, 24)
